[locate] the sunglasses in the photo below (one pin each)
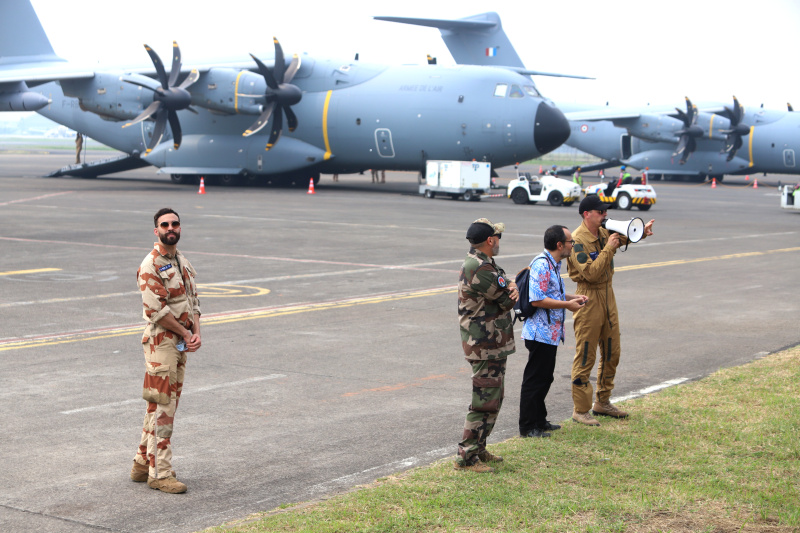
(175, 224)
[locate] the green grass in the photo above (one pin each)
(721, 454)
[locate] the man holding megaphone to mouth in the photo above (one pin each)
(591, 266)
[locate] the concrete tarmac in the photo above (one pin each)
(331, 354)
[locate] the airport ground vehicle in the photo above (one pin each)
(790, 200)
(530, 189)
(624, 196)
(457, 179)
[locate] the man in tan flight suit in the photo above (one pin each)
(591, 266)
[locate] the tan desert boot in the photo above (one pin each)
(584, 418)
(608, 409)
(167, 484)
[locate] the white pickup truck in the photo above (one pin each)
(529, 189)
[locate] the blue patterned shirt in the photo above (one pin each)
(545, 282)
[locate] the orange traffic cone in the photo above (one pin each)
(747, 178)
(311, 186)
(202, 187)
(540, 169)
(755, 183)
(713, 183)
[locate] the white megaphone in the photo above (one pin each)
(632, 229)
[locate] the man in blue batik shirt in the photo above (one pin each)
(544, 330)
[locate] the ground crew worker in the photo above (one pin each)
(78, 147)
(172, 311)
(591, 266)
(485, 300)
(623, 175)
(577, 178)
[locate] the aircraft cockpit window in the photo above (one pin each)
(500, 90)
(516, 92)
(531, 90)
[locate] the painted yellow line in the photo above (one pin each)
(35, 271)
(328, 306)
(325, 125)
(225, 318)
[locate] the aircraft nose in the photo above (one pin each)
(551, 128)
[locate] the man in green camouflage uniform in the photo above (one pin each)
(172, 312)
(485, 300)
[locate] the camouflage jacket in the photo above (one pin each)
(484, 309)
(164, 291)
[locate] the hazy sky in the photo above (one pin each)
(640, 51)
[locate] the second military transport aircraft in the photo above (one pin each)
(711, 141)
(282, 119)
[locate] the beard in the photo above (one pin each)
(496, 249)
(169, 238)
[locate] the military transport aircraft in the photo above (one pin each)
(709, 141)
(276, 118)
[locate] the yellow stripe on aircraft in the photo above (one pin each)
(325, 125)
(236, 92)
(750, 143)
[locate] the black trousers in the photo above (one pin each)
(536, 381)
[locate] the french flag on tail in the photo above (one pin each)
(491, 52)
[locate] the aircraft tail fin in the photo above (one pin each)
(475, 40)
(22, 37)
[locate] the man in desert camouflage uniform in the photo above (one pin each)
(172, 312)
(485, 300)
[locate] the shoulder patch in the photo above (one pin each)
(582, 257)
(165, 267)
(578, 247)
(502, 282)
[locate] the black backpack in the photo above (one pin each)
(523, 308)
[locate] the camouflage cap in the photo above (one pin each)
(482, 229)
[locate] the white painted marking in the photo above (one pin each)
(370, 473)
(36, 198)
(654, 388)
(185, 393)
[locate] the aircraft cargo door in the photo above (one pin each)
(625, 146)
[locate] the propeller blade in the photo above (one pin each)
(176, 64)
(262, 68)
(275, 134)
(175, 124)
(144, 115)
(162, 75)
(681, 145)
(158, 130)
(190, 79)
(280, 62)
(259, 124)
(291, 118)
(789, 107)
(147, 83)
(193, 110)
(294, 66)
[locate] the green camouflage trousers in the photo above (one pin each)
(163, 383)
(488, 378)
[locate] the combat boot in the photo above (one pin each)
(478, 466)
(167, 484)
(608, 409)
(584, 418)
(487, 456)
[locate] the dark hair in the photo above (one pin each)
(554, 235)
(164, 211)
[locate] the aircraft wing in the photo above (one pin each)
(621, 114)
